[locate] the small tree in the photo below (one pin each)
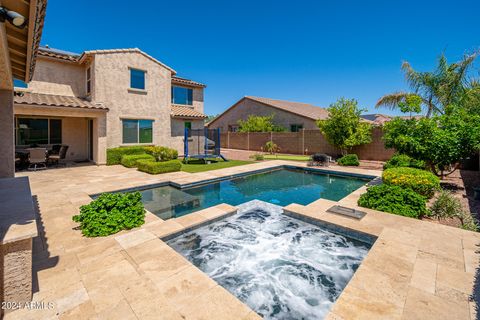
(259, 124)
(344, 128)
(442, 141)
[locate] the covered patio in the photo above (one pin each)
(43, 120)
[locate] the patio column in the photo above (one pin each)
(100, 139)
(7, 137)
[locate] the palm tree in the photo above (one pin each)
(438, 89)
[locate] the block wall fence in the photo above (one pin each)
(304, 142)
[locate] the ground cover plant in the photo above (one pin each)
(446, 206)
(111, 213)
(162, 153)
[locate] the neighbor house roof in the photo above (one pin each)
(380, 119)
(299, 108)
(50, 100)
(186, 112)
(188, 82)
(58, 54)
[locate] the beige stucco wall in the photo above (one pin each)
(248, 107)
(112, 88)
(59, 78)
(178, 130)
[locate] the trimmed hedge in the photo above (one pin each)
(420, 181)
(394, 199)
(111, 213)
(402, 160)
(349, 160)
(154, 167)
(114, 155)
(130, 161)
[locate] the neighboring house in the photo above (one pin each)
(102, 99)
(293, 116)
(379, 119)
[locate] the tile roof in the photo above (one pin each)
(380, 119)
(178, 80)
(58, 54)
(303, 109)
(50, 100)
(186, 112)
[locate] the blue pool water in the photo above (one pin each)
(280, 187)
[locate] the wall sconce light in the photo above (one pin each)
(13, 17)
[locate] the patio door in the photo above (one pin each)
(90, 139)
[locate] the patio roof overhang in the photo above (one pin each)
(18, 47)
(181, 112)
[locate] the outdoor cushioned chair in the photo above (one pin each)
(56, 158)
(37, 158)
(319, 159)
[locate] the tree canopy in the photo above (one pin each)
(259, 124)
(344, 128)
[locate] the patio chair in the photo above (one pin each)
(55, 149)
(319, 159)
(37, 159)
(56, 158)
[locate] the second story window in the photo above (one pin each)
(137, 79)
(181, 95)
(89, 82)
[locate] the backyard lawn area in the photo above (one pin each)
(200, 166)
(286, 157)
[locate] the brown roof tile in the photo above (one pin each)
(303, 109)
(58, 54)
(178, 80)
(50, 100)
(186, 112)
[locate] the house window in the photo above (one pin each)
(296, 127)
(30, 131)
(137, 79)
(19, 84)
(233, 128)
(137, 131)
(181, 95)
(89, 82)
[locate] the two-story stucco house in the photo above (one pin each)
(102, 99)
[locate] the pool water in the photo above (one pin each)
(281, 267)
(281, 187)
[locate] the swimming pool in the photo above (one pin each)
(281, 187)
(281, 267)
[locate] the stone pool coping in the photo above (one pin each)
(415, 269)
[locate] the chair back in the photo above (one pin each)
(38, 155)
(63, 152)
(56, 149)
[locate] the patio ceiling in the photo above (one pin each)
(21, 44)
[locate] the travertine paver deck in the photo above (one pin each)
(415, 269)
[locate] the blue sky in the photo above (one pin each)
(307, 51)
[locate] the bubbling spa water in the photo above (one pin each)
(279, 266)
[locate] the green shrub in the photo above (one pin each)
(257, 157)
(402, 160)
(111, 213)
(271, 147)
(394, 199)
(349, 160)
(420, 181)
(162, 153)
(114, 155)
(130, 161)
(156, 167)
